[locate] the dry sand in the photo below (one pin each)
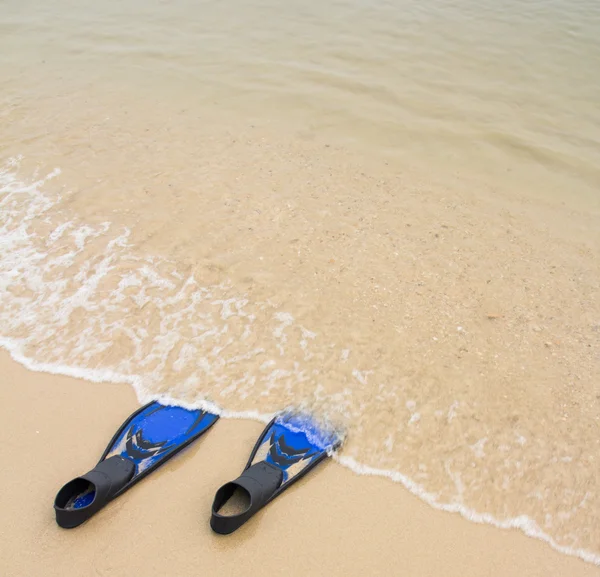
(331, 523)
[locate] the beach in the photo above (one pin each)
(331, 523)
(386, 218)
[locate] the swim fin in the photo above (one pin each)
(147, 439)
(289, 447)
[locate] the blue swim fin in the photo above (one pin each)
(290, 446)
(149, 437)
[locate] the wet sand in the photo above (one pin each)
(331, 523)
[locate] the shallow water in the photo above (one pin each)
(385, 213)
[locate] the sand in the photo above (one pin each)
(331, 523)
(450, 328)
(447, 315)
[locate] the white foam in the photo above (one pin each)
(452, 411)
(478, 448)
(414, 418)
(389, 442)
(286, 319)
(361, 376)
(304, 342)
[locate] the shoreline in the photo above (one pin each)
(403, 531)
(221, 213)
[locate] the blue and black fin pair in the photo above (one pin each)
(149, 437)
(289, 447)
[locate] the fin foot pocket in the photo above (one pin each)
(79, 499)
(237, 501)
